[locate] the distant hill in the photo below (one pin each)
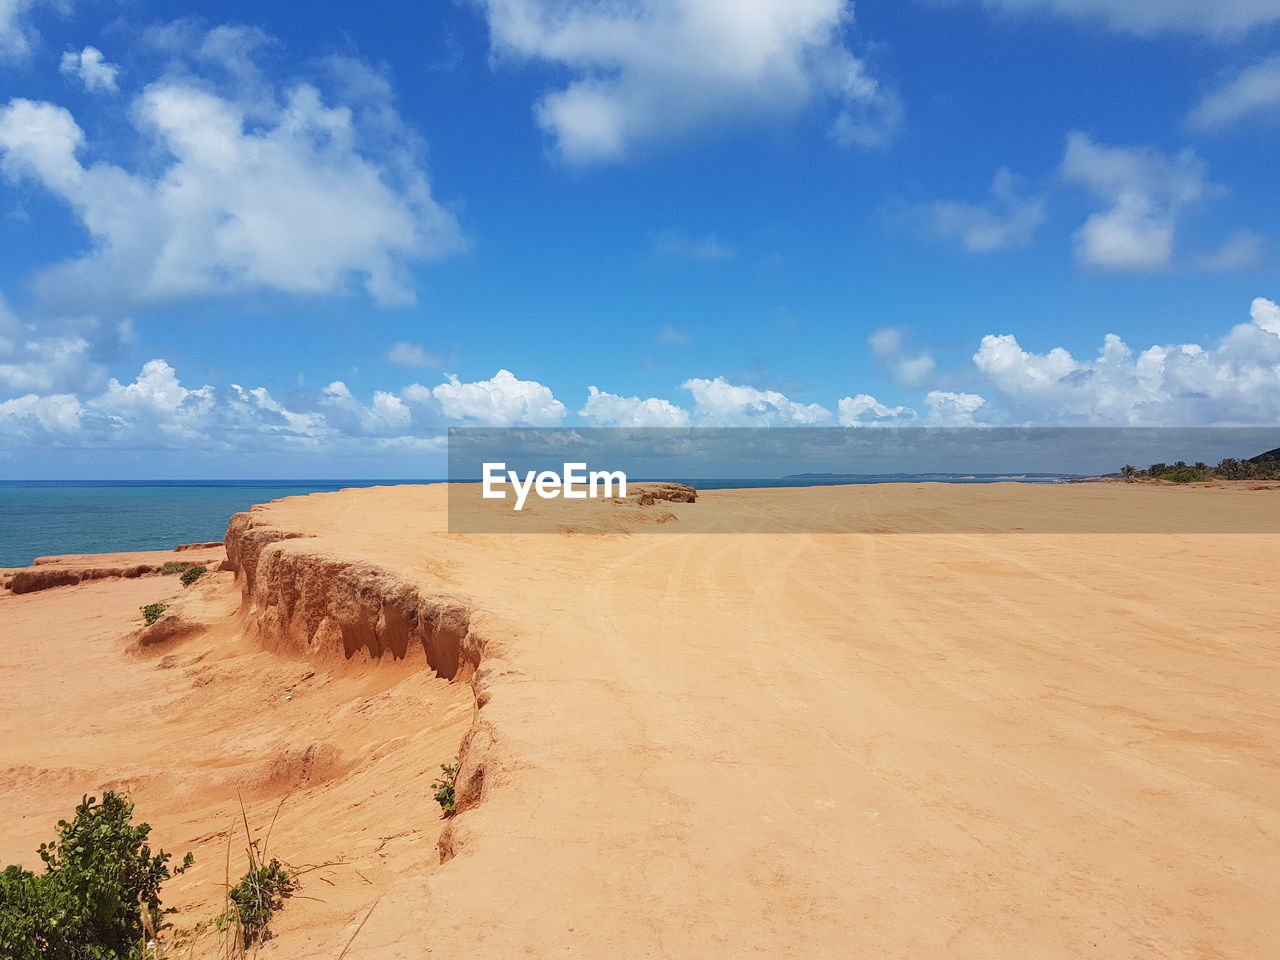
(1268, 457)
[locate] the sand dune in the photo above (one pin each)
(708, 744)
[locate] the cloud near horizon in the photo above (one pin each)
(1235, 382)
(719, 403)
(610, 410)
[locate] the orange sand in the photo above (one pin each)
(804, 745)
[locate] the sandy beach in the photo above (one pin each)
(896, 744)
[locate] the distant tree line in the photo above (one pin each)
(1227, 469)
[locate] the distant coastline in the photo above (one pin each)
(919, 477)
(56, 517)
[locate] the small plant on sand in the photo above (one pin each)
(255, 898)
(99, 895)
(1185, 475)
(153, 612)
(252, 901)
(174, 566)
(444, 788)
(192, 574)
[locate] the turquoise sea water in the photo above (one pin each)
(39, 518)
(42, 518)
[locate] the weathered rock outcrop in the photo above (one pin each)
(63, 571)
(304, 602)
(673, 492)
(297, 599)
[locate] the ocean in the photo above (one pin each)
(40, 518)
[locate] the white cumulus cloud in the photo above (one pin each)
(156, 410)
(89, 67)
(156, 390)
(31, 417)
(610, 410)
(501, 401)
(1265, 315)
(285, 192)
(865, 410)
(1235, 382)
(719, 403)
(944, 409)
(1147, 192)
(155, 402)
(948, 409)
(651, 70)
(387, 415)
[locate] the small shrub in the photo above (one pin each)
(153, 612)
(99, 892)
(1185, 474)
(174, 566)
(444, 788)
(250, 904)
(647, 499)
(255, 898)
(192, 574)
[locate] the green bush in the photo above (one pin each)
(153, 612)
(193, 574)
(1260, 468)
(99, 893)
(255, 898)
(444, 788)
(174, 566)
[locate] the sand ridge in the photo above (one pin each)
(67, 569)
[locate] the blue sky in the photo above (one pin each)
(277, 239)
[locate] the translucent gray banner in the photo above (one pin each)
(864, 480)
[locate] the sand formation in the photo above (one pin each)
(69, 569)
(805, 744)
